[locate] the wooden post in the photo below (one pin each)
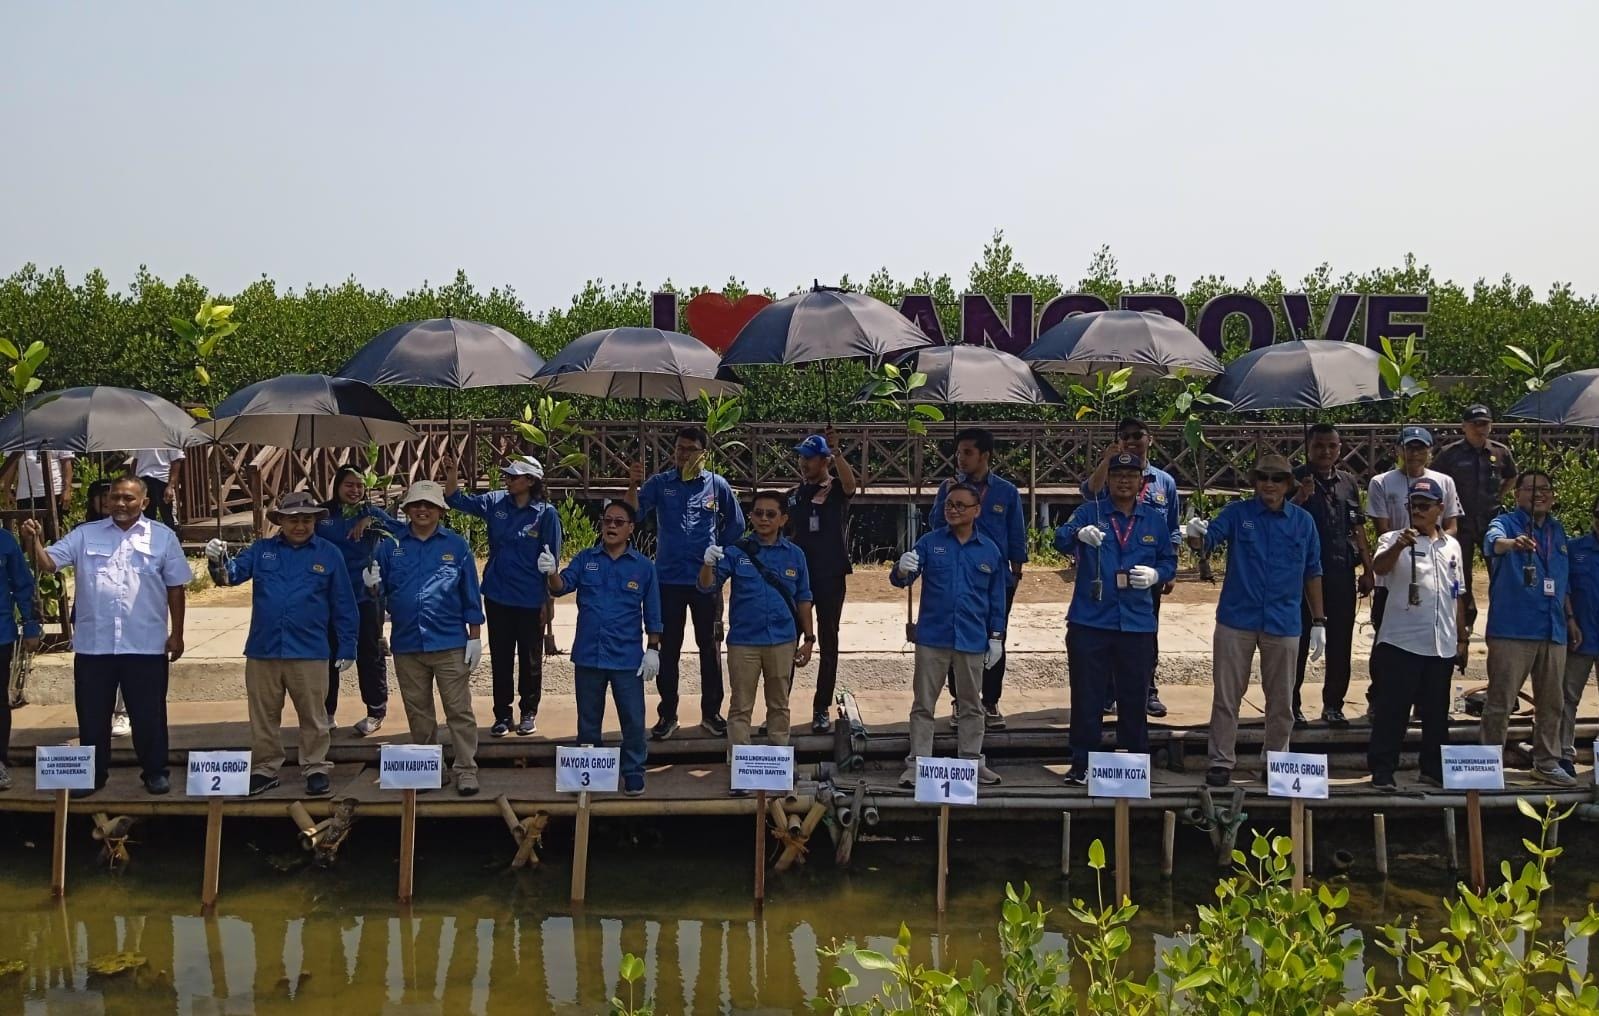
(580, 848)
(1168, 842)
(1065, 844)
(943, 854)
(213, 854)
(1124, 852)
(1449, 838)
(1379, 831)
(760, 847)
(407, 842)
(1296, 833)
(58, 849)
(1479, 876)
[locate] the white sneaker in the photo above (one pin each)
(120, 727)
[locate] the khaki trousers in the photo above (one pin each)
(933, 668)
(1578, 667)
(306, 684)
(746, 665)
(1232, 655)
(417, 674)
(1510, 663)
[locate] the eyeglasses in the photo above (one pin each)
(612, 520)
(1273, 477)
(1421, 506)
(1134, 435)
(764, 513)
(1536, 490)
(959, 506)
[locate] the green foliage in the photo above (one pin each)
(554, 430)
(632, 971)
(893, 390)
(1538, 367)
(1108, 390)
(722, 416)
(23, 366)
(1041, 552)
(1186, 406)
(201, 336)
(578, 530)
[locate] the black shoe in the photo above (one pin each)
(633, 790)
(1300, 723)
(820, 724)
(1383, 783)
(663, 729)
(1569, 766)
(1335, 719)
(260, 783)
(529, 724)
(501, 727)
(1216, 776)
(993, 719)
(1155, 707)
(317, 784)
(1077, 777)
(714, 725)
(158, 784)
(738, 793)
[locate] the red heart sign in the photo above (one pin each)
(715, 320)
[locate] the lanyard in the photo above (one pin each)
(1121, 537)
(1545, 549)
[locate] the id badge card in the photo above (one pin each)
(1549, 587)
(816, 523)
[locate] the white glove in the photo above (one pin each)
(372, 575)
(909, 564)
(547, 565)
(474, 654)
(651, 665)
(1141, 576)
(713, 554)
(1091, 535)
(1196, 528)
(216, 550)
(1318, 641)
(996, 649)
(343, 665)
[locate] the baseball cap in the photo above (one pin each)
(424, 492)
(523, 465)
(1126, 460)
(296, 503)
(1271, 464)
(815, 445)
(1475, 413)
(1426, 487)
(1410, 435)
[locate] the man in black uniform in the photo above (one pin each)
(818, 520)
(1484, 472)
(1332, 497)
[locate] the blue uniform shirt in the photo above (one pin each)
(430, 587)
(1270, 556)
(1159, 491)
(16, 595)
(686, 514)
(612, 595)
(1515, 609)
(963, 591)
(756, 613)
(357, 553)
(1141, 539)
(1584, 555)
(516, 538)
(302, 596)
(1000, 517)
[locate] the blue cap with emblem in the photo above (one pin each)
(1414, 435)
(1127, 461)
(813, 446)
(1426, 487)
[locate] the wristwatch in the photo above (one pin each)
(1318, 622)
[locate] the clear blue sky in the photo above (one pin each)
(544, 144)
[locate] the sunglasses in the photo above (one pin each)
(765, 513)
(1273, 477)
(959, 506)
(1421, 506)
(612, 520)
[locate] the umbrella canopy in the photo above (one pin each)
(97, 419)
(1153, 345)
(444, 353)
(823, 324)
(970, 375)
(1570, 400)
(307, 411)
(636, 363)
(1304, 374)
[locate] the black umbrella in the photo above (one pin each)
(1570, 400)
(636, 363)
(972, 375)
(97, 418)
(1305, 374)
(1153, 345)
(307, 411)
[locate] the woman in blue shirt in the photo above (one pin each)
(356, 526)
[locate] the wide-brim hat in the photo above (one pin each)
(424, 492)
(295, 503)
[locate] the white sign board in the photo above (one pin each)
(946, 780)
(1295, 774)
(1474, 767)
(1118, 774)
(63, 767)
(580, 769)
(766, 767)
(219, 774)
(411, 767)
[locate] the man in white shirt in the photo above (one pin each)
(30, 490)
(1420, 637)
(130, 575)
(1388, 500)
(154, 467)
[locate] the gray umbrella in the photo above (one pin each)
(307, 411)
(1305, 374)
(1570, 400)
(636, 363)
(1153, 345)
(97, 418)
(444, 352)
(967, 374)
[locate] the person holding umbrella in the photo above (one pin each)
(1111, 624)
(818, 513)
(301, 594)
(1003, 520)
(693, 509)
(355, 526)
(428, 578)
(1274, 559)
(1483, 471)
(522, 525)
(16, 604)
(962, 626)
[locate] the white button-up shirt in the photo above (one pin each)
(122, 577)
(1388, 498)
(156, 463)
(30, 476)
(1428, 628)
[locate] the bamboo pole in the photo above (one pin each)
(1168, 842)
(213, 854)
(580, 849)
(407, 843)
(1065, 843)
(1379, 829)
(943, 855)
(1449, 839)
(1296, 832)
(1310, 842)
(58, 848)
(1124, 852)
(1479, 876)
(760, 847)
(813, 818)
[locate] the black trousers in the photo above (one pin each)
(5, 703)
(1338, 595)
(1406, 681)
(993, 677)
(142, 679)
(1097, 659)
(157, 507)
(371, 670)
(828, 602)
(704, 608)
(1154, 656)
(516, 639)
